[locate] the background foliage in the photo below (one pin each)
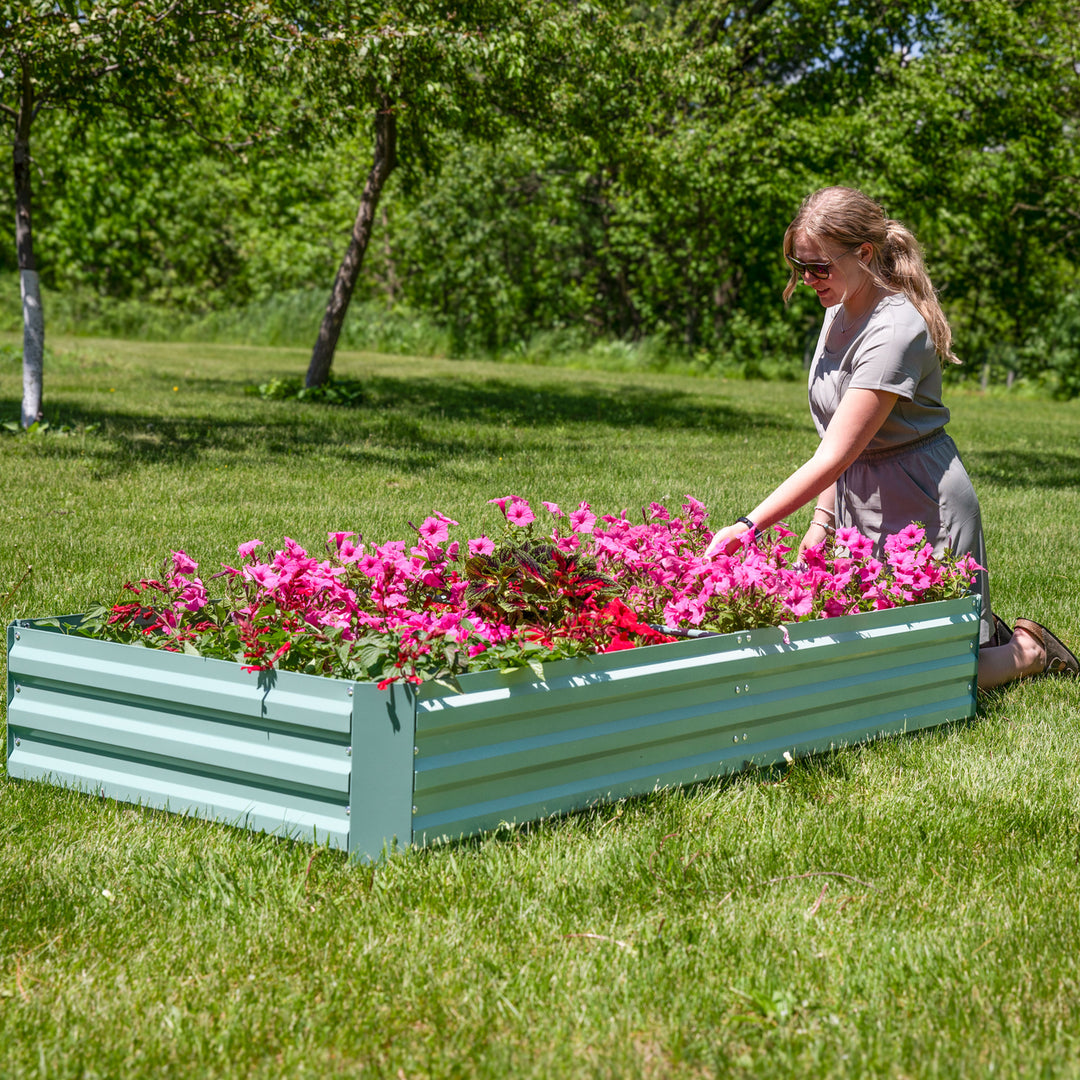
(648, 208)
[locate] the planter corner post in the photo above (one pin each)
(381, 785)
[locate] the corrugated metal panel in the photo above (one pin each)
(515, 749)
(180, 732)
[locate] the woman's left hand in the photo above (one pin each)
(815, 534)
(727, 540)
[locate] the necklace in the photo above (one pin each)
(845, 326)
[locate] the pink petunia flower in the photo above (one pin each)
(520, 513)
(183, 564)
(262, 575)
(294, 549)
(435, 530)
(481, 545)
(193, 598)
(552, 508)
(582, 520)
(349, 552)
(799, 601)
(245, 550)
(847, 535)
(695, 509)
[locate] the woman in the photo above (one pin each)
(885, 459)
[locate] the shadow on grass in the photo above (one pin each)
(1016, 468)
(407, 422)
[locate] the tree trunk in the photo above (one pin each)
(33, 318)
(322, 356)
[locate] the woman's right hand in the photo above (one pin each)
(726, 540)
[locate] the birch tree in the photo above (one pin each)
(86, 56)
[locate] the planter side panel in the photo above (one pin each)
(518, 749)
(180, 733)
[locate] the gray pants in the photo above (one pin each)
(924, 481)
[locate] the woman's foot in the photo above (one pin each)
(1056, 658)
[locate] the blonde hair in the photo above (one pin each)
(846, 218)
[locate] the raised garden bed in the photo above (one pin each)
(363, 769)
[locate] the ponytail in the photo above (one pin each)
(902, 270)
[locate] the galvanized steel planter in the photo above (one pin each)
(362, 769)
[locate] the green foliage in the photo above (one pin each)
(533, 583)
(332, 392)
(288, 318)
(1050, 352)
(148, 214)
(620, 175)
(43, 427)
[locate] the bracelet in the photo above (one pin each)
(828, 528)
(831, 513)
(748, 523)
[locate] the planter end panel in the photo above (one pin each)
(381, 788)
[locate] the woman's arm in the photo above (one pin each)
(856, 421)
(823, 521)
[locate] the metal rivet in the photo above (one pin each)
(746, 688)
(18, 689)
(18, 742)
(739, 639)
(348, 751)
(16, 635)
(350, 691)
(348, 810)
(416, 751)
(744, 736)
(414, 810)
(737, 690)
(747, 637)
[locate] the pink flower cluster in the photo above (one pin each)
(659, 561)
(400, 610)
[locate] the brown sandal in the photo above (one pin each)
(1059, 661)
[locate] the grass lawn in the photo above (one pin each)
(906, 909)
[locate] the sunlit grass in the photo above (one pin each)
(904, 909)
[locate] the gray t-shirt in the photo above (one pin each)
(891, 351)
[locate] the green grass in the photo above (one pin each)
(908, 908)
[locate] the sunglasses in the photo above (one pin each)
(820, 270)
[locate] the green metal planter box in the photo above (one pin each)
(362, 769)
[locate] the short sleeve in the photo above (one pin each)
(893, 354)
